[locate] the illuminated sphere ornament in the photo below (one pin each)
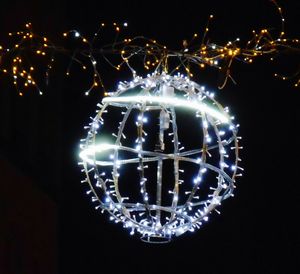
(160, 156)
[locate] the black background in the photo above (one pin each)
(257, 232)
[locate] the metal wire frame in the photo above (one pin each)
(183, 216)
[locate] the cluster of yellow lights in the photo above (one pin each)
(156, 56)
(15, 61)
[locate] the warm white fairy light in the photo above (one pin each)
(157, 217)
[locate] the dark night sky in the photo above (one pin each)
(257, 230)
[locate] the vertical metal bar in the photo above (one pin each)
(159, 190)
(176, 164)
(164, 121)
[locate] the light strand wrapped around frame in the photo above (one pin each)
(161, 98)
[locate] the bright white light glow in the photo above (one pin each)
(91, 150)
(172, 101)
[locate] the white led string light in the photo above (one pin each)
(151, 217)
